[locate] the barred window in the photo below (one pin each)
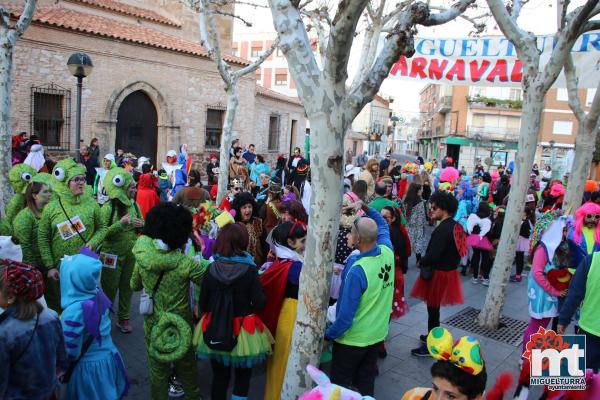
(214, 127)
(274, 132)
(51, 115)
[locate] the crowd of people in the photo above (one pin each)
(220, 282)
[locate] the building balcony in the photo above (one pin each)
(489, 102)
(444, 104)
(486, 133)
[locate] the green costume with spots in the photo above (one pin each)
(19, 176)
(119, 240)
(66, 206)
(172, 297)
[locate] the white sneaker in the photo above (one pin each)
(175, 389)
(474, 280)
(486, 282)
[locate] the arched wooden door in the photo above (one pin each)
(137, 126)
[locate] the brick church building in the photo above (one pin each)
(153, 87)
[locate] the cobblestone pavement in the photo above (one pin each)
(398, 372)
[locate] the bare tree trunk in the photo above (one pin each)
(585, 143)
(533, 103)
(6, 62)
(233, 100)
(325, 204)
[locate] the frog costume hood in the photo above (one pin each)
(116, 182)
(43, 177)
(20, 176)
(62, 173)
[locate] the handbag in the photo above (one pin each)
(146, 300)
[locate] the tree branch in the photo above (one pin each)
(25, 18)
(394, 13)
(517, 5)
(252, 67)
(4, 18)
(479, 26)
(341, 37)
(209, 38)
(449, 14)
(511, 30)
(232, 15)
(564, 39)
(572, 87)
(591, 26)
(593, 116)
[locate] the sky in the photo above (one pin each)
(537, 16)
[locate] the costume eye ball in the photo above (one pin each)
(118, 180)
(59, 174)
(26, 176)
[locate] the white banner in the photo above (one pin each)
(491, 61)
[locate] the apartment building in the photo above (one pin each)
(371, 129)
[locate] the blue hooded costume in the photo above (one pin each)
(180, 181)
(100, 374)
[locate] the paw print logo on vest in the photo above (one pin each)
(384, 272)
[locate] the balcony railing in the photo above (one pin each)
(490, 102)
(493, 133)
(444, 104)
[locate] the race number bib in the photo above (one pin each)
(108, 260)
(68, 229)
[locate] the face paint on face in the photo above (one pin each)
(246, 212)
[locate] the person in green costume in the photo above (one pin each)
(26, 223)
(68, 223)
(19, 176)
(122, 217)
(158, 255)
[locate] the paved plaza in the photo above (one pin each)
(397, 373)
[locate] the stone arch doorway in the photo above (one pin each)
(137, 126)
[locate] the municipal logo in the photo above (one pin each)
(556, 361)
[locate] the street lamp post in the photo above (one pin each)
(80, 66)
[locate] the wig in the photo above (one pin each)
(449, 174)
(585, 209)
(590, 186)
(557, 190)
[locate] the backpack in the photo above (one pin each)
(219, 334)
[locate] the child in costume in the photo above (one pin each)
(69, 222)
(280, 283)
(108, 163)
(233, 270)
(584, 237)
(479, 225)
(459, 372)
(32, 347)
(19, 176)
(527, 224)
(158, 255)
(99, 373)
(448, 179)
(123, 219)
(549, 251)
(466, 205)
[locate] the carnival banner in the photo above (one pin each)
(491, 61)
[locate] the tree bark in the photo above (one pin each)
(326, 202)
(233, 100)
(6, 63)
(533, 104)
(585, 143)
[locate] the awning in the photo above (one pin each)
(485, 144)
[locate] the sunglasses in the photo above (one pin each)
(79, 179)
(593, 216)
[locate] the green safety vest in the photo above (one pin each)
(588, 319)
(371, 321)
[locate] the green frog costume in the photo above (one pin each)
(119, 240)
(67, 223)
(19, 177)
(167, 332)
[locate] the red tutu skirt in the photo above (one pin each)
(444, 289)
(399, 304)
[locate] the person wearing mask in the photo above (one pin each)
(479, 225)
(90, 162)
(233, 269)
(165, 271)
(416, 216)
(249, 155)
(99, 372)
(281, 284)
(108, 163)
(245, 209)
(123, 219)
(26, 223)
(370, 174)
(438, 283)
(193, 194)
(32, 347)
(364, 304)
(381, 197)
(68, 223)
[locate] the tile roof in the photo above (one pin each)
(263, 91)
(106, 27)
(127, 9)
(380, 99)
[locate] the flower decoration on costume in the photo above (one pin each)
(428, 166)
(465, 354)
(545, 339)
(410, 168)
(206, 213)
